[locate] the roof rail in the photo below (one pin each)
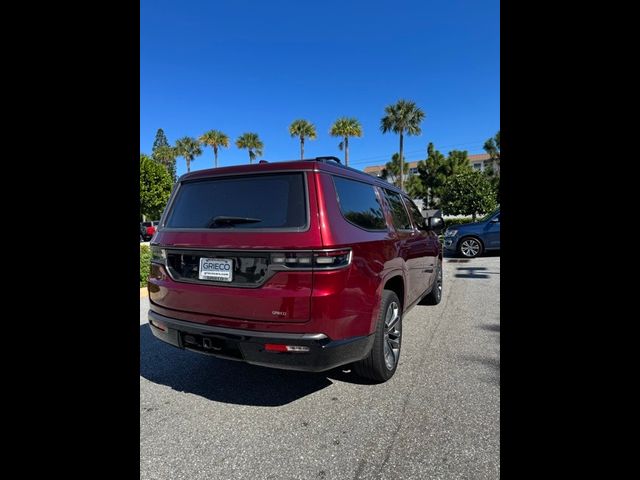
(326, 159)
(341, 165)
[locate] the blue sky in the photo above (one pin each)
(239, 66)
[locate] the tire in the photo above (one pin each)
(435, 295)
(382, 361)
(470, 247)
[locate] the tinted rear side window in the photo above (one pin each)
(398, 212)
(359, 204)
(277, 200)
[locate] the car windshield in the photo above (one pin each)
(487, 217)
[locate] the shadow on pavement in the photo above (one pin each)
(226, 380)
(492, 327)
(491, 363)
(474, 272)
(491, 366)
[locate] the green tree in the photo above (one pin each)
(414, 187)
(252, 143)
(468, 193)
(215, 139)
(159, 141)
(155, 187)
(457, 162)
(494, 179)
(402, 117)
(346, 127)
(392, 169)
(492, 147)
(189, 149)
(166, 156)
(302, 129)
(432, 174)
(436, 169)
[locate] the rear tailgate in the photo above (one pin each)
(251, 288)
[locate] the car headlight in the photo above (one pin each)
(450, 233)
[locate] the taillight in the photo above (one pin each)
(158, 255)
(332, 258)
(315, 260)
(292, 259)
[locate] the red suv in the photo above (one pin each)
(303, 265)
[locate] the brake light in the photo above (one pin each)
(316, 259)
(332, 258)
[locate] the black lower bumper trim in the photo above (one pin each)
(249, 346)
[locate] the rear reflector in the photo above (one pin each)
(278, 347)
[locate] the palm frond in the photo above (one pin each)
(303, 129)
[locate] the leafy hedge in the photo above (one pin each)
(457, 221)
(145, 261)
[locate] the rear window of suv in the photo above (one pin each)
(270, 201)
(359, 204)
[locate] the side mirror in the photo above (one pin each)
(435, 223)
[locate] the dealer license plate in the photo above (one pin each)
(217, 269)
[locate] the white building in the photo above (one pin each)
(478, 162)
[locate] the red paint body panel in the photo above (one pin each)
(339, 303)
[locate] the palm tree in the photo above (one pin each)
(302, 129)
(189, 148)
(346, 127)
(251, 142)
(215, 139)
(402, 117)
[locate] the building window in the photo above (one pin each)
(413, 171)
(477, 166)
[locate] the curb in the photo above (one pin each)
(144, 292)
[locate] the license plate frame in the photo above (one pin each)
(215, 269)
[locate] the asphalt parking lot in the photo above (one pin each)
(437, 418)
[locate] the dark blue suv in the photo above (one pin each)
(471, 239)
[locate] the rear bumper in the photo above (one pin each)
(249, 346)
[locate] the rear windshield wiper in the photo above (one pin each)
(223, 220)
